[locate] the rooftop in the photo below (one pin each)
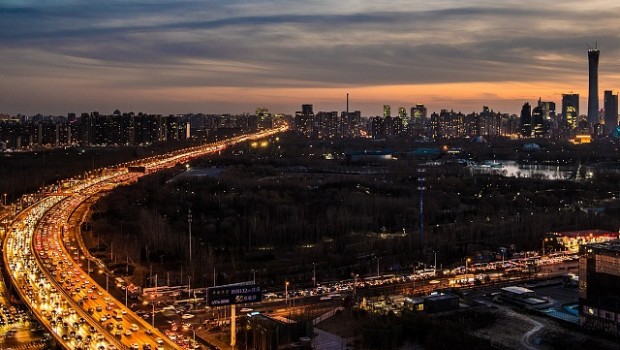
(517, 290)
(611, 246)
(586, 233)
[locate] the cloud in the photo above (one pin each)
(291, 44)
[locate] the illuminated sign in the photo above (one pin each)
(238, 293)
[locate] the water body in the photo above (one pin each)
(511, 168)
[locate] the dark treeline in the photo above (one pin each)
(280, 209)
(26, 172)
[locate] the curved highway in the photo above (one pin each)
(79, 313)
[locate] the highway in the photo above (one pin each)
(77, 312)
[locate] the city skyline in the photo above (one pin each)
(235, 56)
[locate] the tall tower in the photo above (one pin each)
(593, 54)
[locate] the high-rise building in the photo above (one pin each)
(264, 118)
(548, 109)
(539, 125)
(526, 120)
(611, 110)
(593, 55)
(570, 109)
(304, 120)
(599, 286)
(387, 111)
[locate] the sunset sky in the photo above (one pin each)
(164, 56)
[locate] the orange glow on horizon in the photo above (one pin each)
(447, 95)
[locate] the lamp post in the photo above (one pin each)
(286, 292)
(189, 225)
(314, 274)
(467, 265)
(354, 284)
(435, 266)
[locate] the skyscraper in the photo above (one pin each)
(526, 120)
(570, 109)
(593, 55)
(611, 110)
(387, 111)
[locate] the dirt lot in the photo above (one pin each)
(511, 330)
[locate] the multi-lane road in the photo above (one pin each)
(77, 312)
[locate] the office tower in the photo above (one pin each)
(539, 125)
(526, 120)
(386, 111)
(264, 118)
(402, 112)
(570, 109)
(611, 110)
(599, 286)
(548, 109)
(593, 55)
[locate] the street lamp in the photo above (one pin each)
(314, 274)
(354, 284)
(189, 225)
(467, 261)
(286, 292)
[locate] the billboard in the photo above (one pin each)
(238, 293)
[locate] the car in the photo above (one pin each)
(148, 331)
(187, 316)
(135, 346)
(134, 327)
(128, 332)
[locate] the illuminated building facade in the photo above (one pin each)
(570, 110)
(304, 120)
(526, 120)
(599, 287)
(387, 111)
(571, 240)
